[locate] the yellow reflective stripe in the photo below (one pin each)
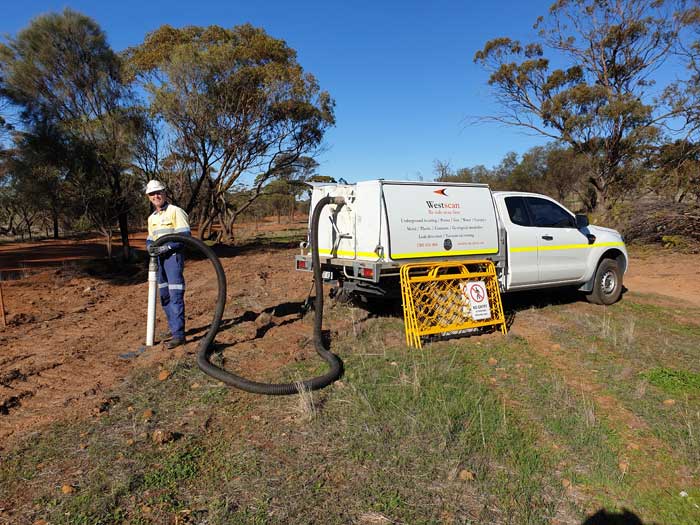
(565, 247)
(604, 244)
(347, 253)
(350, 253)
(442, 254)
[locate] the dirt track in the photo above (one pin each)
(61, 352)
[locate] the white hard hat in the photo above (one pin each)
(154, 185)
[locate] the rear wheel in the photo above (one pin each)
(607, 283)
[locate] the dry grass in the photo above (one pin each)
(306, 408)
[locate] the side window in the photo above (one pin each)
(517, 210)
(547, 214)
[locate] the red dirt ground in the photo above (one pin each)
(66, 329)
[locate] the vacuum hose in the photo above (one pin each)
(206, 350)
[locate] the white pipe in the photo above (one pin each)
(152, 292)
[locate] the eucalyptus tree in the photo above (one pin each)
(5, 125)
(236, 103)
(675, 171)
(684, 94)
(290, 185)
(36, 165)
(600, 98)
(61, 70)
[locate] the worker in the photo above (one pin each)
(168, 218)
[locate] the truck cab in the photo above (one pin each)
(548, 245)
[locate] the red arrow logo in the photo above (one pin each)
(442, 192)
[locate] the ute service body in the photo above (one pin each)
(534, 241)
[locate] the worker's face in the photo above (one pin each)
(157, 198)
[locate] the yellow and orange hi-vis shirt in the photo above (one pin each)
(170, 219)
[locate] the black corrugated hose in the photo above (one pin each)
(205, 346)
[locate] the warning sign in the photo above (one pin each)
(479, 301)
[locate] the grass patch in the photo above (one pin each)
(474, 430)
(179, 466)
(435, 402)
(675, 382)
(637, 355)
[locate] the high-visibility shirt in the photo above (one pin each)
(170, 219)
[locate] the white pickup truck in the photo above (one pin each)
(534, 241)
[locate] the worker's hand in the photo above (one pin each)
(157, 251)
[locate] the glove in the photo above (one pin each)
(158, 251)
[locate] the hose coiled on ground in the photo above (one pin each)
(205, 346)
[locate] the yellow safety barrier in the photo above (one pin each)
(448, 297)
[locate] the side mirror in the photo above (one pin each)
(581, 221)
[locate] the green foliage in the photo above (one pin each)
(83, 224)
(62, 76)
(180, 466)
(599, 102)
(552, 169)
(677, 382)
(238, 104)
(676, 241)
(675, 171)
(53, 61)
(684, 95)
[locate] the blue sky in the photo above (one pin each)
(401, 73)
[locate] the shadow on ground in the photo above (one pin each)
(277, 311)
(603, 517)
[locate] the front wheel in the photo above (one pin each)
(607, 283)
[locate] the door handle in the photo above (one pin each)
(548, 237)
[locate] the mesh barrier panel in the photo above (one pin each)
(449, 298)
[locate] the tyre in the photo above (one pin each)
(607, 283)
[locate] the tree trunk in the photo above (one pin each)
(123, 216)
(598, 202)
(124, 231)
(679, 196)
(597, 192)
(204, 225)
(55, 224)
(108, 235)
(229, 228)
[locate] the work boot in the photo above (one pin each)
(164, 335)
(173, 343)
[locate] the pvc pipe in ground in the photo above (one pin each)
(152, 292)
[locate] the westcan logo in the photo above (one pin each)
(437, 205)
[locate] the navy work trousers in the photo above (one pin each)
(171, 285)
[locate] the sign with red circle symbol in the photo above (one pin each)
(477, 293)
(479, 300)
